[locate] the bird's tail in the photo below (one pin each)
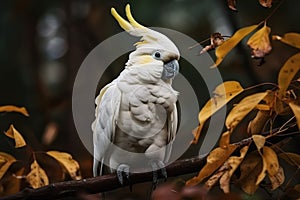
(95, 167)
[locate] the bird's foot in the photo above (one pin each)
(123, 175)
(159, 170)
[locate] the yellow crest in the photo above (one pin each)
(131, 25)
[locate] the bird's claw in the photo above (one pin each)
(123, 175)
(158, 166)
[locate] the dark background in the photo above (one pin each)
(43, 43)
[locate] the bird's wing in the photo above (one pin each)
(172, 130)
(106, 113)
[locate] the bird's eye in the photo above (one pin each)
(157, 55)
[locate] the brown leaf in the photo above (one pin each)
(10, 108)
(296, 110)
(242, 109)
(55, 172)
(37, 177)
(297, 187)
(207, 48)
(274, 102)
(232, 4)
(270, 164)
(233, 162)
(229, 44)
(292, 192)
(68, 163)
(213, 180)
(292, 39)
(12, 183)
(215, 159)
(259, 42)
(277, 147)
(256, 125)
(14, 134)
(291, 158)
(266, 3)
(259, 141)
(287, 73)
(222, 95)
(6, 161)
(216, 39)
(278, 179)
(250, 169)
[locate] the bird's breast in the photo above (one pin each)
(143, 115)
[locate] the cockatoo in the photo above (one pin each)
(136, 113)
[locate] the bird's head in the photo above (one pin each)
(152, 47)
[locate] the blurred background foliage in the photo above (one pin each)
(43, 43)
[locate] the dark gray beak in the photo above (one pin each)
(171, 69)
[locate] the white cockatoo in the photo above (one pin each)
(136, 114)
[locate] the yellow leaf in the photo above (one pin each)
(259, 141)
(291, 158)
(233, 162)
(229, 44)
(270, 164)
(196, 132)
(68, 163)
(222, 95)
(263, 107)
(259, 42)
(296, 110)
(215, 159)
(242, 109)
(250, 169)
(37, 177)
(278, 179)
(292, 39)
(14, 134)
(225, 140)
(6, 161)
(287, 73)
(10, 108)
(266, 3)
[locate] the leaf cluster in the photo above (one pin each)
(257, 161)
(31, 172)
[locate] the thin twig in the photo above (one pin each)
(274, 10)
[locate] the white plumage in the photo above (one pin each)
(137, 111)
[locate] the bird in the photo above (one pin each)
(136, 115)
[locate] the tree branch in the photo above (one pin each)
(110, 182)
(104, 183)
